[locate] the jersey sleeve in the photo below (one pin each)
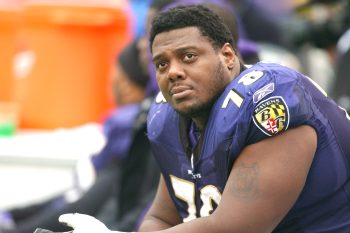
(280, 104)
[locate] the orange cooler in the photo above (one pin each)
(71, 46)
(10, 13)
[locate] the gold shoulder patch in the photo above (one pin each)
(271, 116)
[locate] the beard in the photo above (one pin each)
(217, 85)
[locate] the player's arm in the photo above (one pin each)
(266, 180)
(162, 214)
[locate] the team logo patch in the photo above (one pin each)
(259, 94)
(271, 115)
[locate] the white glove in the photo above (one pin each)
(83, 223)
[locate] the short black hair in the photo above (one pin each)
(208, 23)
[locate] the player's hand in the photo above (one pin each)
(82, 223)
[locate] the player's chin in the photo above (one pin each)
(180, 104)
(181, 109)
(186, 109)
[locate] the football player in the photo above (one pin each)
(241, 149)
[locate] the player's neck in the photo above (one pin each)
(200, 122)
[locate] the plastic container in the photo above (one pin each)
(71, 46)
(10, 22)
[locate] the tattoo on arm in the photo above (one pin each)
(246, 182)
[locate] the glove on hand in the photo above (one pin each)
(82, 223)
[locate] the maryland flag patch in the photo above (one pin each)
(271, 116)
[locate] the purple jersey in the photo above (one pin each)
(262, 101)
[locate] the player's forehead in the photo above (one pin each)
(179, 39)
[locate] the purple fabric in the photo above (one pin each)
(118, 130)
(193, 135)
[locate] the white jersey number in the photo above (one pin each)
(251, 77)
(185, 191)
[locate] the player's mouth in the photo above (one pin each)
(180, 92)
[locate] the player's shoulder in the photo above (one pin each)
(259, 81)
(259, 89)
(160, 116)
(257, 76)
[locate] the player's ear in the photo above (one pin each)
(229, 55)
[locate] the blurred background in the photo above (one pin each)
(56, 58)
(55, 87)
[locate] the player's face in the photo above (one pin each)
(190, 72)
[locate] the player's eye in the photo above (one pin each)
(189, 57)
(161, 65)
